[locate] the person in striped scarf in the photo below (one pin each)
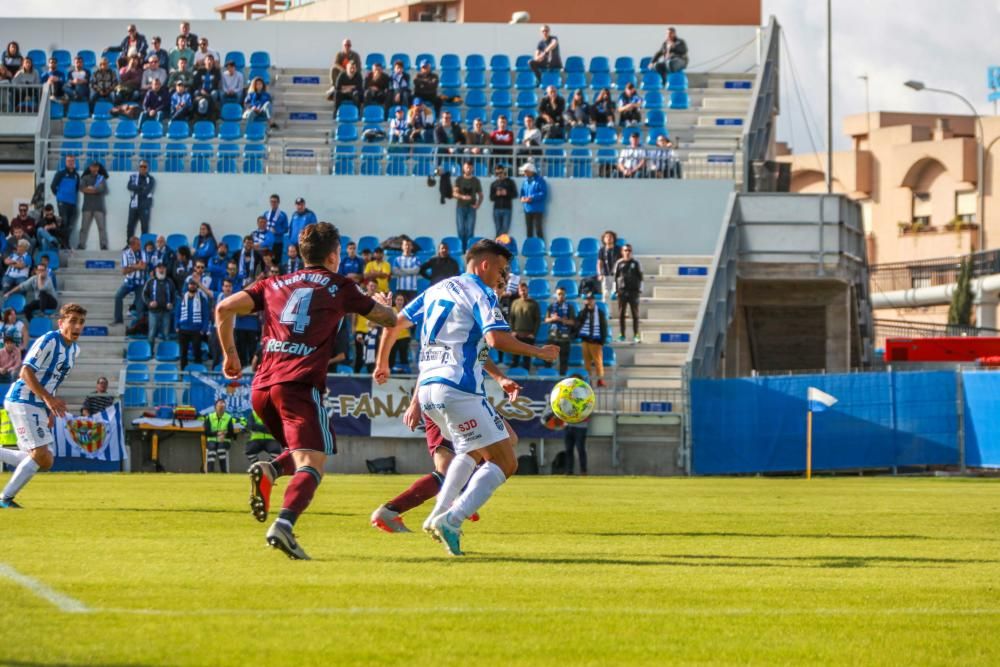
(193, 314)
(592, 328)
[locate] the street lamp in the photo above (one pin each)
(980, 155)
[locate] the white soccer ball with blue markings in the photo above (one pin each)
(572, 400)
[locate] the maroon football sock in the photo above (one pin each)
(283, 464)
(299, 493)
(420, 491)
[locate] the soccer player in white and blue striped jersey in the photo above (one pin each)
(32, 404)
(406, 271)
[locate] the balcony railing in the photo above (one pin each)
(930, 272)
(20, 99)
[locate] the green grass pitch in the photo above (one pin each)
(173, 570)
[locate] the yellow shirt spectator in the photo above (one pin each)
(383, 269)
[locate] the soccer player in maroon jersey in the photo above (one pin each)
(302, 313)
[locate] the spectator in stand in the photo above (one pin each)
(180, 103)
(607, 257)
(129, 84)
(182, 268)
(14, 328)
(23, 220)
(257, 105)
(156, 103)
(578, 112)
(14, 240)
(602, 111)
(378, 271)
(56, 78)
(181, 51)
(39, 292)
(301, 217)
(182, 73)
(159, 295)
(525, 319)
(26, 76)
(200, 277)
(662, 160)
(134, 45)
(632, 160)
(628, 287)
(250, 263)
(10, 361)
(294, 262)
(349, 87)
(162, 255)
(102, 82)
(672, 56)
(421, 122)
(551, 114)
(277, 224)
(440, 267)
(425, 86)
(202, 55)
(232, 83)
(50, 232)
(247, 333)
(351, 266)
(134, 279)
(153, 72)
(12, 58)
(66, 186)
(156, 49)
(232, 275)
(204, 243)
(448, 133)
(468, 193)
(190, 39)
(399, 86)
(140, 203)
(206, 89)
(399, 128)
(630, 107)
(406, 270)
(502, 193)
(502, 138)
(534, 196)
(77, 85)
(561, 318)
(376, 85)
(546, 54)
(263, 239)
(477, 138)
(592, 328)
(531, 139)
(191, 316)
(344, 56)
(98, 400)
(94, 186)
(217, 265)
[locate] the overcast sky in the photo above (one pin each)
(944, 44)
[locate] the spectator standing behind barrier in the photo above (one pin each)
(351, 266)
(99, 399)
(561, 318)
(133, 280)
(468, 193)
(160, 295)
(662, 161)
(672, 56)
(440, 267)
(191, 316)
(344, 56)
(140, 204)
(301, 217)
(94, 186)
(525, 318)
(39, 292)
(66, 187)
(628, 287)
(592, 328)
(261, 446)
(10, 360)
(220, 431)
(406, 271)
(277, 224)
(546, 54)
(607, 257)
(534, 195)
(502, 193)
(378, 271)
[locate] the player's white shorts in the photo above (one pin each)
(468, 420)
(31, 425)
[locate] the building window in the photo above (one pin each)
(922, 209)
(965, 207)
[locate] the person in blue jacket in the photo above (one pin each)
(66, 188)
(204, 243)
(534, 194)
(300, 218)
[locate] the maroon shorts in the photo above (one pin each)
(295, 416)
(434, 437)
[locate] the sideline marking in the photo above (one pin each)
(63, 602)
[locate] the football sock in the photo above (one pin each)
(283, 464)
(419, 492)
(299, 493)
(210, 456)
(25, 470)
(223, 461)
(459, 472)
(12, 457)
(487, 479)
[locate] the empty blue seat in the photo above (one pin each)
(347, 133)
(168, 350)
(423, 160)
(574, 64)
(536, 267)
(231, 111)
(555, 162)
(551, 77)
(498, 61)
(75, 129)
(174, 156)
(38, 59)
(343, 160)
(599, 80)
(204, 130)
(260, 73)
(234, 241)
(450, 61)
(254, 156)
(622, 79)
(454, 245)
(175, 241)
(475, 61)
(57, 111)
(679, 100)
(148, 237)
(135, 397)
(88, 57)
(230, 131)
(651, 80)
(610, 358)
(121, 156)
(580, 163)
(475, 98)
(501, 98)
(371, 163)
(348, 113)
(533, 246)
(656, 119)
(201, 158)
(367, 243)
(677, 81)
(15, 301)
(150, 152)
(178, 130)
(164, 396)
(138, 350)
(527, 100)
(256, 131)
(238, 59)
(102, 110)
(563, 267)
(579, 135)
(599, 65)
(547, 372)
(588, 266)
(517, 373)
(64, 60)
(538, 288)
(654, 100)
(522, 63)
(624, 64)
(501, 111)
(373, 58)
(588, 246)
(401, 57)
(500, 80)
(135, 373)
(474, 113)
(576, 80)
(605, 136)
(474, 80)
(526, 81)
(425, 244)
(260, 60)
(576, 355)
(100, 129)
(561, 247)
(151, 131)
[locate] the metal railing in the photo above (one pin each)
(894, 276)
(761, 122)
(904, 329)
(20, 99)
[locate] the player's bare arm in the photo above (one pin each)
(382, 313)
(511, 388)
(54, 403)
(389, 337)
(225, 319)
(506, 342)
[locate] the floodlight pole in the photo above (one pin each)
(829, 97)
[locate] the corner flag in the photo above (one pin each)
(819, 400)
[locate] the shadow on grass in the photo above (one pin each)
(816, 536)
(202, 510)
(31, 663)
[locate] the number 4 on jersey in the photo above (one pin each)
(296, 311)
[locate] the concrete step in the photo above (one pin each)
(673, 291)
(653, 383)
(624, 373)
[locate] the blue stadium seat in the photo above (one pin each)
(78, 111)
(53, 258)
(679, 100)
(579, 135)
(256, 131)
(527, 100)
(204, 130)
(138, 350)
(405, 58)
(64, 60)
(450, 61)
(653, 101)
(542, 335)
(624, 64)
(168, 350)
(57, 111)
(588, 266)
(371, 163)
(166, 372)
(348, 113)
(260, 60)
(238, 59)
(454, 245)
(569, 284)
(74, 129)
(606, 136)
(500, 80)
(588, 246)
(677, 81)
(135, 397)
(474, 79)
(656, 119)
(428, 58)
(576, 355)
(651, 80)
(175, 241)
(554, 162)
(576, 80)
(452, 79)
(136, 373)
(522, 63)
(367, 242)
(628, 132)
(501, 98)
(234, 241)
(423, 160)
(373, 58)
(261, 73)
(475, 98)
(164, 396)
(38, 59)
(100, 129)
(254, 156)
(195, 368)
(475, 61)
(547, 372)
(526, 81)
(347, 133)
(506, 112)
(472, 114)
(578, 370)
(498, 62)
(610, 358)
(535, 267)
(15, 301)
(102, 110)
(564, 267)
(599, 80)
(89, 59)
(178, 130)
(148, 237)
(230, 131)
(644, 63)
(622, 79)
(374, 114)
(425, 244)
(533, 246)
(580, 160)
(551, 77)
(121, 155)
(201, 158)
(574, 64)
(538, 288)
(599, 65)
(561, 246)
(151, 131)
(231, 112)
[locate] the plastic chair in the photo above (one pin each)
(256, 131)
(475, 98)
(653, 101)
(230, 131)
(655, 119)
(38, 59)
(533, 246)
(234, 241)
(148, 237)
(166, 373)
(164, 396)
(551, 77)
(175, 241)
(78, 111)
(231, 112)
(260, 59)
(348, 113)
(599, 65)
(501, 80)
(651, 80)
(588, 246)
(580, 162)
(254, 156)
(526, 81)
(600, 80)
(373, 58)
(605, 136)
(407, 66)
(622, 79)
(428, 58)
(576, 355)
(538, 288)
(151, 131)
(135, 397)
(677, 81)
(178, 130)
(454, 245)
(138, 350)
(679, 100)
(610, 358)
(579, 136)
(15, 301)
(102, 110)
(624, 64)
(371, 162)
(474, 80)
(561, 247)
(563, 267)
(238, 59)
(474, 61)
(498, 62)
(547, 372)
(100, 129)
(574, 64)
(168, 350)
(367, 242)
(536, 267)
(204, 130)
(74, 129)
(346, 133)
(374, 114)
(136, 373)
(522, 63)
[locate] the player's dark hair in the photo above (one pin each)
(487, 247)
(317, 242)
(72, 309)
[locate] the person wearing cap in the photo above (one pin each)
(399, 127)
(301, 217)
(425, 85)
(534, 194)
(232, 83)
(379, 271)
(502, 193)
(592, 329)
(180, 102)
(468, 193)
(421, 122)
(344, 56)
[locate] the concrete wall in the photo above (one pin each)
(15, 187)
(313, 44)
(658, 217)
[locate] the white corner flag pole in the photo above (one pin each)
(809, 444)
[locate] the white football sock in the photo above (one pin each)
(459, 472)
(12, 457)
(487, 479)
(22, 475)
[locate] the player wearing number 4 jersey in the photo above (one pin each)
(461, 317)
(302, 313)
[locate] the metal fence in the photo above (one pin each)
(929, 272)
(903, 329)
(20, 99)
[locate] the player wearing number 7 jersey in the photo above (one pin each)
(302, 313)
(461, 317)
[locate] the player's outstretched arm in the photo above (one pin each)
(382, 313)
(389, 337)
(506, 342)
(510, 387)
(225, 318)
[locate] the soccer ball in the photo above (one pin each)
(572, 400)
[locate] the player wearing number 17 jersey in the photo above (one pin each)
(302, 313)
